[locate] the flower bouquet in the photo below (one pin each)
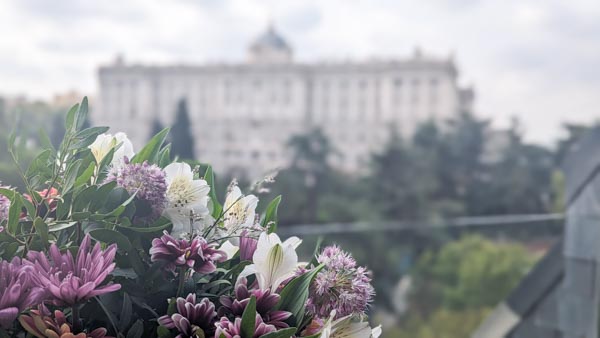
(106, 241)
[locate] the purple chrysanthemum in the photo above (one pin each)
(191, 318)
(73, 281)
(228, 329)
(197, 254)
(147, 180)
(18, 290)
(265, 304)
(340, 286)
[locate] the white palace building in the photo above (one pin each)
(242, 115)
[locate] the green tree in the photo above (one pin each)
(182, 142)
(157, 126)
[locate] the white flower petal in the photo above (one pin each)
(229, 249)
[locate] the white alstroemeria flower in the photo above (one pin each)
(229, 249)
(106, 142)
(349, 327)
(273, 260)
(187, 198)
(239, 211)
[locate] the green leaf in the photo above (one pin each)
(136, 330)
(283, 333)
(14, 213)
(126, 312)
(41, 228)
(81, 114)
(210, 180)
(70, 121)
(45, 140)
(157, 228)
(71, 175)
(85, 176)
(270, 219)
(111, 236)
(60, 226)
(86, 137)
(150, 151)
(249, 319)
(295, 294)
(164, 156)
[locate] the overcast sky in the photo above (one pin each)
(538, 60)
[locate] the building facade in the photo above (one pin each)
(243, 114)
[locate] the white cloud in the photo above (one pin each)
(539, 60)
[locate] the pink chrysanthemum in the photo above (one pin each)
(340, 286)
(148, 181)
(18, 290)
(72, 281)
(196, 254)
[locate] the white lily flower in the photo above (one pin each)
(349, 327)
(240, 211)
(104, 143)
(273, 261)
(187, 198)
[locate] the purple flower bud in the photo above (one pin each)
(191, 317)
(247, 246)
(265, 304)
(234, 330)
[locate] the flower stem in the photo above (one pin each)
(182, 274)
(75, 318)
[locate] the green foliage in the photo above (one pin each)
(460, 284)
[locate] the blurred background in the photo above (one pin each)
(440, 142)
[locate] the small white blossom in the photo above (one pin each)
(187, 198)
(273, 261)
(239, 211)
(349, 327)
(104, 143)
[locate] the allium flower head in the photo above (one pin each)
(234, 330)
(196, 254)
(265, 304)
(71, 281)
(191, 319)
(147, 181)
(18, 290)
(42, 326)
(340, 286)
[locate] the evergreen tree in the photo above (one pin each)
(182, 142)
(157, 127)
